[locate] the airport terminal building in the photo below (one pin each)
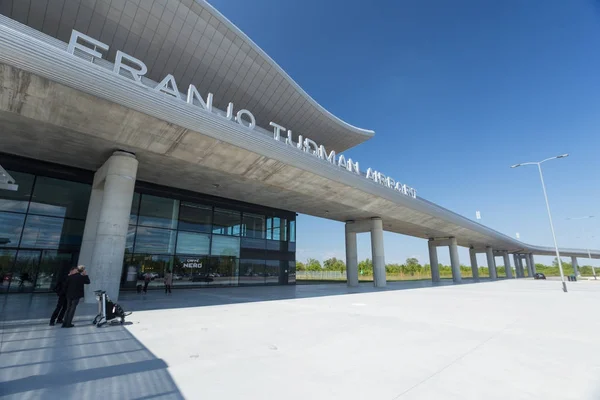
(139, 137)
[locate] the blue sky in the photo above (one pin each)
(456, 91)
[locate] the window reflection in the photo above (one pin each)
(11, 226)
(225, 246)
(60, 198)
(226, 222)
(154, 240)
(19, 200)
(252, 272)
(193, 243)
(135, 208)
(292, 231)
(153, 265)
(158, 212)
(195, 217)
(272, 271)
(52, 233)
(253, 226)
(7, 260)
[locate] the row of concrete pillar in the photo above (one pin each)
(375, 227)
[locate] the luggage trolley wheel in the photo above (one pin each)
(96, 319)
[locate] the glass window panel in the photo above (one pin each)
(193, 243)
(159, 212)
(155, 265)
(7, 260)
(252, 272)
(292, 247)
(53, 266)
(292, 272)
(154, 240)
(60, 198)
(52, 233)
(283, 229)
(292, 231)
(23, 273)
(276, 229)
(272, 271)
(191, 271)
(274, 245)
(269, 228)
(135, 208)
(19, 200)
(226, 222)
(195, 217)
(130, 239)
(223, 271)
(225, 246)
(253, 226)
(249, 243)
(11, 226)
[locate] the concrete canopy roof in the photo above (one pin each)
(192, 41)
(67, 110)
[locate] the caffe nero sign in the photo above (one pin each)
(136, 69)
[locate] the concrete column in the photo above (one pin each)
(528, 263)
(491, 262)
(518, 270)
(575, 266)
(377, 250)
(507, 265)
(433, 261)
(105, 233)
(474, 266)
(454, 261)
(351, 257)
(532, 263)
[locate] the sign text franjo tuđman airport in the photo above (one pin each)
(137, 69)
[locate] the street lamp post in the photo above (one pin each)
(539, 165)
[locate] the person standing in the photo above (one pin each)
(61, 306)
(74, 292)
(168, 281)
(147, 279)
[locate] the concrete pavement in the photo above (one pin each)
(517, 339)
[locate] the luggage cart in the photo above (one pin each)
(107, 310)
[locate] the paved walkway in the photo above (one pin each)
(503, 340)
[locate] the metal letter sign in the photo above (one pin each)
(134, 69)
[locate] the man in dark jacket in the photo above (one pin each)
(61, 306)
(74, 292)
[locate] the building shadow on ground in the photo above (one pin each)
(84, 362)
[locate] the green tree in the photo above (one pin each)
(313, 265)
(333, 264)
(365, 267)
(300, 266)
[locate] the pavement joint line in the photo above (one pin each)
(468, 352)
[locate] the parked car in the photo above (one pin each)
(539, 275)
(177, 277)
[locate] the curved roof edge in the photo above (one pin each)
(361, 131)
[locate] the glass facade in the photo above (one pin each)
(41, 227)
(202, 240)
(204, 243)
